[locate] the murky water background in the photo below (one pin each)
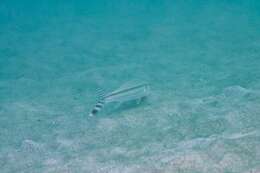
(201, 58)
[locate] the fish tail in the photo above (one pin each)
(100, 104)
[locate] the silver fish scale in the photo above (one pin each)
(127, 94)
(123, 94)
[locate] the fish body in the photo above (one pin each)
(127, 92)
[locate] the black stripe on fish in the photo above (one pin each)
(94, 111)
(97, 108)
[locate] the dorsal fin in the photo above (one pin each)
(130, 84)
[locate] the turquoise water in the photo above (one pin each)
(202, 59)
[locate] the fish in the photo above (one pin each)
(127, 92)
